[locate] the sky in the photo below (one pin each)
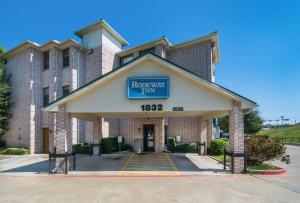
(259, 40)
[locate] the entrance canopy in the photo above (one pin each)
(149, 86)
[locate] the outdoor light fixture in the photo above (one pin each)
(90, 51)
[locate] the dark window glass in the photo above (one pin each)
(46, 60)
(146, 51)
(66, 90)
(46, 96)
(126, 59)
(66, 57)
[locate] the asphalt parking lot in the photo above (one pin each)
(182, 178)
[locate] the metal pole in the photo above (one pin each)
(66, 163)
(232, 163)
(224, 161)
(74, 161)
(49, 169)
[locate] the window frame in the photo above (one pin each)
(122, 59)
(66, 57)
(46, 63)
(46, 96)
(146, 51)
(63, 90)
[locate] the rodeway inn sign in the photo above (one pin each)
(148, 87)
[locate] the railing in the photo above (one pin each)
(233, 155)
(286, 140)
(54, 155)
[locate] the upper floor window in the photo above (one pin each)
(66, 90)
(46, 60)
(126, 59)
(46, 96)
(146, 51)
(66, 57)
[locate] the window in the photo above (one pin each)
(66, 90)
(146, 51)
(66, 57)
(126, 59)
(46, 96)
(46, 60)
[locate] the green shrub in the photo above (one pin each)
(15, 151)
(110, 144)
(171, 144)
(2, 143)
(125, 147)
(260, 148)
(186, 148)
(81, 148)
(217, 146)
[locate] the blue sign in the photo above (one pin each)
(148, 87)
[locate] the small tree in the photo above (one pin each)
(252, 122)
(260, 148)
(5, 103)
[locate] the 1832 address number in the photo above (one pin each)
(152, 107)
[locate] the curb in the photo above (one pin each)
(279, 171)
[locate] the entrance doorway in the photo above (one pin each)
(149, 138)
(46, 140)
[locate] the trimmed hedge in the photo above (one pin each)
(180, 148)
(110, 145)
(15, 151)
(81, 148)
(217, 146)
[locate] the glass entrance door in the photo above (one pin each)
(149, 138)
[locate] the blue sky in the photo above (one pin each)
(259, 40)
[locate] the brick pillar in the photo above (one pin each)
(62, 139)
(203, 131)
(97, 130)
(209, 131)
(236, 134)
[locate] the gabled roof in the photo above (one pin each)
(43, 47)
(158, 59)
(101, 24)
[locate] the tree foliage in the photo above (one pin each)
(259, 149)
(5, 93)
(252, 122)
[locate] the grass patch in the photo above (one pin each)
(286, 135)
(263, 166)
(14, 151)
(221, 158)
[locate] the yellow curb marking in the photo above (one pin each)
(126, 163)
(172, 164)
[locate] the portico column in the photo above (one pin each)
(203, 131)
(97, 130)
(209, 131)
(62, 139)
(236, 134)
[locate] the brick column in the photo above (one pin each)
(97, 130)
(203, 131)
(62, 139)
(209, 131)
(236, 134)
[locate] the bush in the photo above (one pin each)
(110, 144)
(186, 148)
(125, 147)
(2, 143)
(15, 151)
(180, 148)
(171, 144)
(260, 148)
(217, 146)
(81, 148)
